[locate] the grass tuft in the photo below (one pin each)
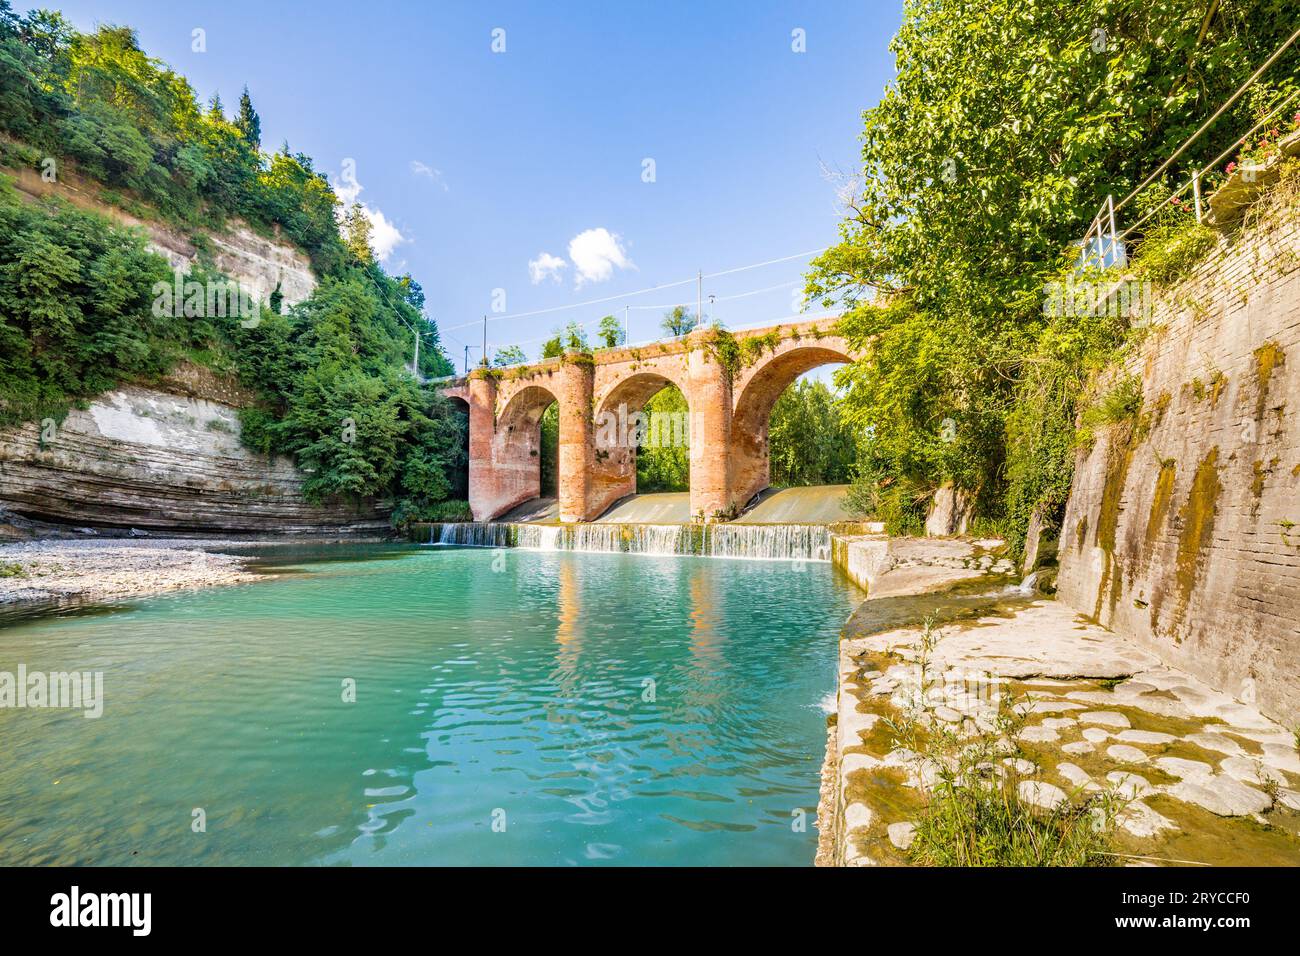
(974, 815)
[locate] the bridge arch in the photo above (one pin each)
(460, 468)
(617, 408)
(639, 387)
(517, 447)
(755, 394)
(729, 412)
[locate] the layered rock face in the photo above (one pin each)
(168, 458)
(1183, 527)
(164, 459)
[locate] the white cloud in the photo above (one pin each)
(546, 266)
(347, 188)
(596, 253)
(434, 175)
(384, 235)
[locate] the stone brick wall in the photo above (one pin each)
(1179, 533)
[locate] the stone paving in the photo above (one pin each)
(1203, 778)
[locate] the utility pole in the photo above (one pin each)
(625, 325)
(699, 297)
(485, 358)
(416, 369)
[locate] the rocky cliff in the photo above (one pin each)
(256, 262)
(1183, 527)
(167, 457)
(164, 458)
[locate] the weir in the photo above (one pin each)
(771, 542)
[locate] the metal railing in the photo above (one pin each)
(1104, 246)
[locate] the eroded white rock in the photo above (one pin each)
(1039, 735)
(1107, 718)
(1221, 795)
(902, 834)
(1045, 796)
(1144, 737)
(1125, 754)
(1141, 821)
(1076, 776)
(1129, 786)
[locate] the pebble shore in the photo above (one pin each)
(53, 570)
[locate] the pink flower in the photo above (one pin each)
(1231, 167)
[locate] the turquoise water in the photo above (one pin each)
(504, 715)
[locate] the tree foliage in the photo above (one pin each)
(130, 122)
(75, 309)
(678, 321)
(78, 311)
(664, 466)
(810, 441)
(1007, 125)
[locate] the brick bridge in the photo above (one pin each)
(730, 383)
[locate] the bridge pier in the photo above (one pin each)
(710, 404)
(574, 393)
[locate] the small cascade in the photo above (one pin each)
(771, 542)
(473, 534)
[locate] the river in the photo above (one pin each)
(511, 707)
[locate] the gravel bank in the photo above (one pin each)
(43, 570)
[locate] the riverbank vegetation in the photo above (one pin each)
(78, 311)
(1005, 129)
(975, 814)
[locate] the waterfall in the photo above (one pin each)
(472, 534)
(765, 542)
(773, 542)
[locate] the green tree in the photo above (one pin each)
(510, 355)
(357, 230)
(611, 332)
(679, 321)
(248, 122)
(665, 465)
(575, 337)
(550, 451)
(76, 312)
(810, 441)
(1006, 126)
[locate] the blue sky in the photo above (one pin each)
(485, 162)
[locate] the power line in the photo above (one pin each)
(628, 295)
(596, 321)
(720, 298)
